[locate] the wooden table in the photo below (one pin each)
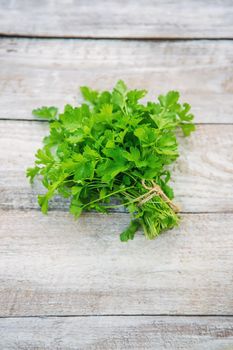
(74, 285)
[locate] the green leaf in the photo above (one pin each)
(170, 99)
(46, 112)
(184, 113)
(110, 169)
(103, 98)
(76, 190)
(118, 99)
(44, 156)
(130, 231)
(134, 95)
(71, 119)
(106, 109)
(187, 129)
(75, 210)
(89, 94)
(121, 87)
(168, 191)
(32, 172)
(167, 140)
(84, 170)
(146, 135)
(119, 94)
(90, 153)
(165, 122)
(77, 137)
(43, 203)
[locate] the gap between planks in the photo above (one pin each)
(119, 315)
(133, 38)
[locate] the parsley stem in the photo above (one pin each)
(108, 195)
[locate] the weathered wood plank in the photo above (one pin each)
(118, 19)
(203, 174)
(106, 333)
(48, 72)
(53, 265)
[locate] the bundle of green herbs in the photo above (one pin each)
(112, 146)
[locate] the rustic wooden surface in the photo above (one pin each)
(41, 72)
(136, 333)
(118, 18)
(67, 284)
(58, 266)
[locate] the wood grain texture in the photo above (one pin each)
(108, 333)
(118, 18)
(48, 72)
(54, 265)
(202, 178)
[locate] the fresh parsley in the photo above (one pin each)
(112, 146)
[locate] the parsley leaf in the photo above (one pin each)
(46, 112)
(106, 148)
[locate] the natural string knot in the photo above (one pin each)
(155, 190)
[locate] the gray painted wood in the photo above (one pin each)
(49, 72)
(106, 333)
(54, 265)
(202, 177)
(118, 18)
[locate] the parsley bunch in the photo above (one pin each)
(113, 147)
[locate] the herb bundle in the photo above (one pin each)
(112, 146)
